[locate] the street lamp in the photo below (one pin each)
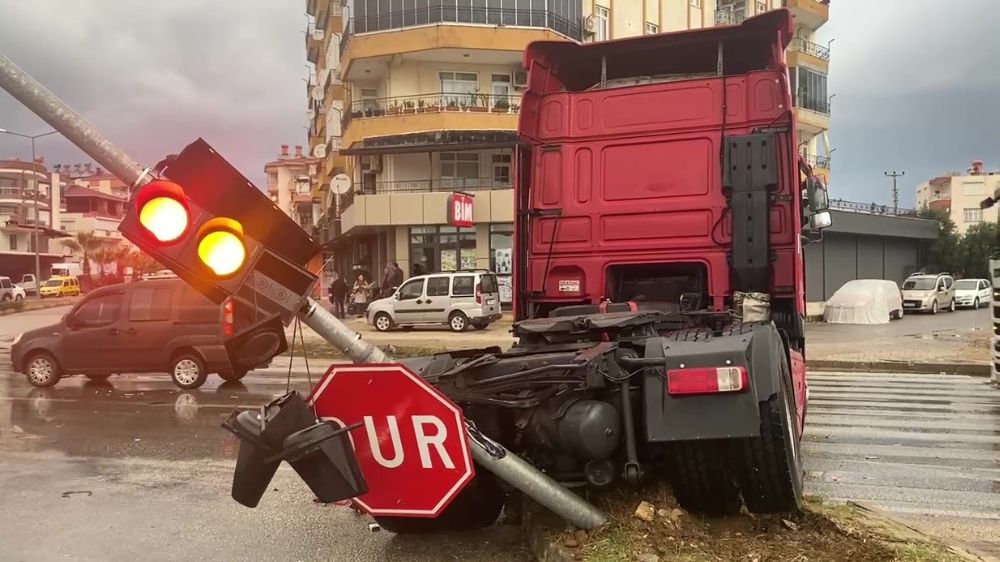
(895, 191)
(38, 266)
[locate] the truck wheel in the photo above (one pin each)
(700, 477)
(476, 507)
(769, 467)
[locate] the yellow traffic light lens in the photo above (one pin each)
(222, 251)
(164, 217)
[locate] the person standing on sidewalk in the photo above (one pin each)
(338, 294)
(395, 278)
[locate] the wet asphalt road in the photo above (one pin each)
(140, 470)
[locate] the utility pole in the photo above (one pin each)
(895, 190)
(38, 266)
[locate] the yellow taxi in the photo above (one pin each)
(60, 287)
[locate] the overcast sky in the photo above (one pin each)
(916, 81)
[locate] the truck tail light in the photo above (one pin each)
(707, 380)
(227, 318)
(479, 293)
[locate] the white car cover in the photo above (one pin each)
(863, 301)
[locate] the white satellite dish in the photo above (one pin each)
(319, 151)
(341, 184)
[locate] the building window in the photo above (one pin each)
(761, 7)
(696, 3)
(973, 215)
(809, 89)
(502, 259)
(13, 242)
(369, 97)
(501, 170)
(652, 28)
(502, 91)
(459, 170)
(441, 248)
(602, 16)
(459, 88)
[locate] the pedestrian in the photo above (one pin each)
(359, 295)
(395, 278)
(385, 287)
(338, 295)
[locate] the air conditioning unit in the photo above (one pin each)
(520, 78)
(318, 34)
(590, 24)
(317, 93)
(319, 151)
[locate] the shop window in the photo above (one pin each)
(441, 248)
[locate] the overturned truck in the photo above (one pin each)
(658, 278)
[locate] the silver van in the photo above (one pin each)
(929, 293)
(458, 299)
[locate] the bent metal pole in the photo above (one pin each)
(55, 112)
(509, 467)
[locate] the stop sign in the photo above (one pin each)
(411, 446)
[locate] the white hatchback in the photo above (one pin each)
(973, 293)
(457, 299)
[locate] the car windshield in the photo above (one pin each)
(920, 284)
(53, 283)
(967, 284)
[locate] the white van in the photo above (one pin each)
(66, 270)
(458, 299)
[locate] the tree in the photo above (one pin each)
(942, 253)
(84, 243)
(975, 250)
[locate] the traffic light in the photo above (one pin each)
(211, 226)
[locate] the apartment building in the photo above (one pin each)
(291, 181)
(25, 217)
(430, 96)
(959, 195)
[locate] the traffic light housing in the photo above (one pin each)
(211, 226)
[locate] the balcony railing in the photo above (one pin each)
(433, 103)
(817, 161)
(461, 14)
(813, 104)
(728, 17)
(871, 208)
(810, 48)
(437, 185)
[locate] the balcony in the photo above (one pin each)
(802, 52)
(809, 13)
(450, 27)
(812, 113)
(429, 112)
(728, 17)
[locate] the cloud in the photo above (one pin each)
(916, 91)
(153, 76)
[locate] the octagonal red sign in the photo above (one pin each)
(412, 445)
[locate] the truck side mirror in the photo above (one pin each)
(816, 194)
(820, 220)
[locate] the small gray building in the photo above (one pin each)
(863, 244)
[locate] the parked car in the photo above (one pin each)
(457, 299)
(973, 293)
(929, 293)
(28, 283)
(864, 301)
(61, 287)
(9, 291)
(149, 327)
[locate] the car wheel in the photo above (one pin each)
(19, 298)
(975, 303)
(897, 314)
(6, 298)
(383, 322)
(458, 322)
(42, 369)
(951, 307)
(934, 307)
(233, 375)
(187, 370)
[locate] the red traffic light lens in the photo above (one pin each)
(163, 211)
(221, 247)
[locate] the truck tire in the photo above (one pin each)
(476, 507)
(769, 467)
(700, 477)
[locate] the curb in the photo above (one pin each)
(538, 525)
(970, 369)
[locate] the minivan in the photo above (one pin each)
(458, 299)
(144, 327)
(61, 287)
(929, 293)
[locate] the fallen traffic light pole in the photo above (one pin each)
(486, 452)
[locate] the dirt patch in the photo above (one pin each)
(660, 531)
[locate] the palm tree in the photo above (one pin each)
(84, 243)
(122, 253)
